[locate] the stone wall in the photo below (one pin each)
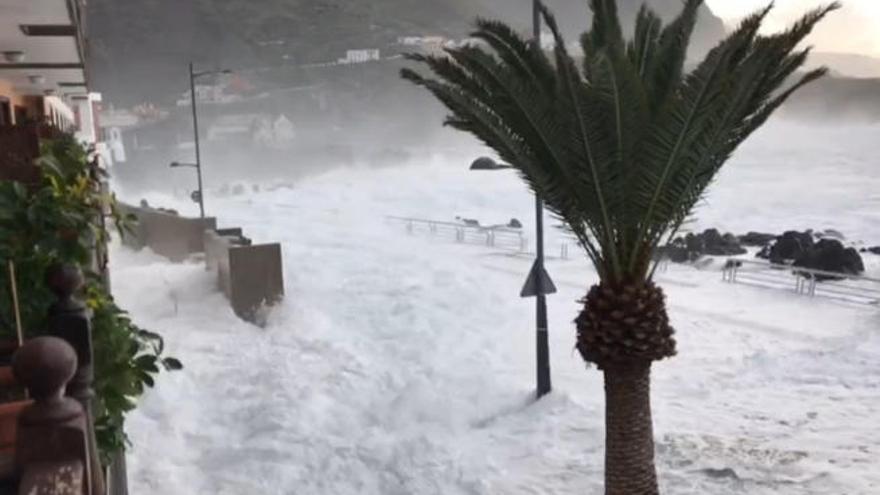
(167, 233)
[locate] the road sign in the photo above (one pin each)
(538, 283)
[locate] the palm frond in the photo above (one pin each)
(643, 46)
(666, 67)
(576, 94)
(622, 146)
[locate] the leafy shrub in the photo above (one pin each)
(61, 220)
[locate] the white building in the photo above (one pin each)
(360, 56)
(114, 122)
(274, 133)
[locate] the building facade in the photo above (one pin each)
(43, 77)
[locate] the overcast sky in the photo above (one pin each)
(855, 28)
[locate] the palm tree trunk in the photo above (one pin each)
(629, 434)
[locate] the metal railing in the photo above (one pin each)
(494, 236)
(804, 281)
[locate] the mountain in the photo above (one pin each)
(837, 100)
(847, 64)
(574, 15)
(139, 48)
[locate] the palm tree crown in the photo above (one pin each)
(623, 143)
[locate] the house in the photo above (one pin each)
(277, 132)
(113, 123)
(360, 56)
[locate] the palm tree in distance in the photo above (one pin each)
(621, 145)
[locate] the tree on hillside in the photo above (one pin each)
(621, 145)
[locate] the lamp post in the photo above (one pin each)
(198, 164)
(542, 337)
(538, 285)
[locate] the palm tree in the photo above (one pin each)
(621, 145)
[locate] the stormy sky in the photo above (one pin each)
(854, 29)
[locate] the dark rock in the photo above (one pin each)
(693, 246)
(789, 246)
(874, 250)
(830, 255)
(675, 251)
(486, 163)
(470, 222)
(711, 242)
(720, 473)
(514, 224)
(757, 239)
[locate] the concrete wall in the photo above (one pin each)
(250, 276)
(166, 233)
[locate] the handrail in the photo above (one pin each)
(491, 235)
(807, 281)
(800, 270)
(496, 228)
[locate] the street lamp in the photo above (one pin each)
(541, 282)
(198, 165)
(538, 285)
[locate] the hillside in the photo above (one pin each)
(573, 16)
(848, 64)
(837, 99)
(139, 48)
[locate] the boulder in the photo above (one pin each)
(676, 252)
(486, 163)
(757, 239)
(694, 246)
(470, 222)
(514, 224)
(788, 247)
(874, 250)
(830, 255)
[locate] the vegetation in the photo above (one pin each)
(621, 145)
(60, 220)
(239, 34)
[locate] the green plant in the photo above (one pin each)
(621, 146)
(127, 358)
(60, 220)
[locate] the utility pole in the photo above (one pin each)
(192, 87)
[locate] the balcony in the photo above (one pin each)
(20, 147)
